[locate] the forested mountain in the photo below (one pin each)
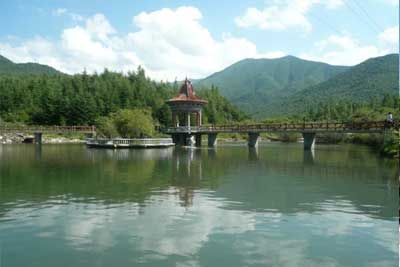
(254, 83)
(8, 67)
(368, 81)
(81, 99)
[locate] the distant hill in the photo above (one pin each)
(371, 79)
(253, 83)
(8, 67)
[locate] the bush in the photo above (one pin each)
(134, 123)
(105, 127)
(127, 123)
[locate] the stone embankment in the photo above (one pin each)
(18, 139)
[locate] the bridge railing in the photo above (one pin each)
(372, 126)
(47, 129)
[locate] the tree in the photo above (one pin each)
(134, 123)
(105, 127)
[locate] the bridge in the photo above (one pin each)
(187, 103)
(37, 131)
(192, 135)
(188, 135)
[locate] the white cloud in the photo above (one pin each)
(59, 11)
(99, 27)
(92, 47)
(390, 37)
(63, 11)
(283, 15)
(174, 43)
(344, 50)
(169, 43)
(392, 2)
(272, 54)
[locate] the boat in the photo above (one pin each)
(129, 143)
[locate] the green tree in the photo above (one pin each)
(134, 123)
(105, 127)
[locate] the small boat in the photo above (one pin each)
(129, 143)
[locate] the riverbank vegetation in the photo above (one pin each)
(347, 111)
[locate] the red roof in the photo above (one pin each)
(186, 93)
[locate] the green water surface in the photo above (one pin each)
(66, 205)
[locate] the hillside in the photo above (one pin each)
(254, 83)
(371, 79)
(8, 67)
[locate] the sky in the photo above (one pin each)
(176, 39)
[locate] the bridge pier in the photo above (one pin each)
(253, 139)
(38, 138)
(190, 141)
(212, 139)
(179, 139)
(198, 140)
(185, 139)
(309, 141)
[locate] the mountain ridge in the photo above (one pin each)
(267, 90)
(8, 67)
(252, 82)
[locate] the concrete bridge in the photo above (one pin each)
(187, 103)
(38, 131)
(192, 135)
(188, 135)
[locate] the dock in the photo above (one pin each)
(129, 143)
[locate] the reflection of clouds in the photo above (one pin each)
(161, 231)
(169, 229)
(261, 250)
(91, 226)
(336, 217)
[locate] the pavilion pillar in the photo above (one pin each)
(309, 141)
(200, 118)
(174, 119)
(197, 118)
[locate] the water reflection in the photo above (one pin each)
(308, 157)
(230, 206)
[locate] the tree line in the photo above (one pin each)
(83, 99)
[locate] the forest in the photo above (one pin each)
(113, 101)
(82, 99)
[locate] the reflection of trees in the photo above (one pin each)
(288, 181)
(281, 177)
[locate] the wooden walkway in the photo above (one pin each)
(47, 129)
(311, 127)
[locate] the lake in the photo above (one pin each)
(66, 205)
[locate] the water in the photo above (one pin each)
(65, 205)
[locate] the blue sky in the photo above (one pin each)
(173, 39)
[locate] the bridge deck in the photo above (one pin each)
(314, 127)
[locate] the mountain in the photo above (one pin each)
(8, 67)
(252, 84)
(371, 79)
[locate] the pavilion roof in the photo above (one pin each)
(187, 94)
